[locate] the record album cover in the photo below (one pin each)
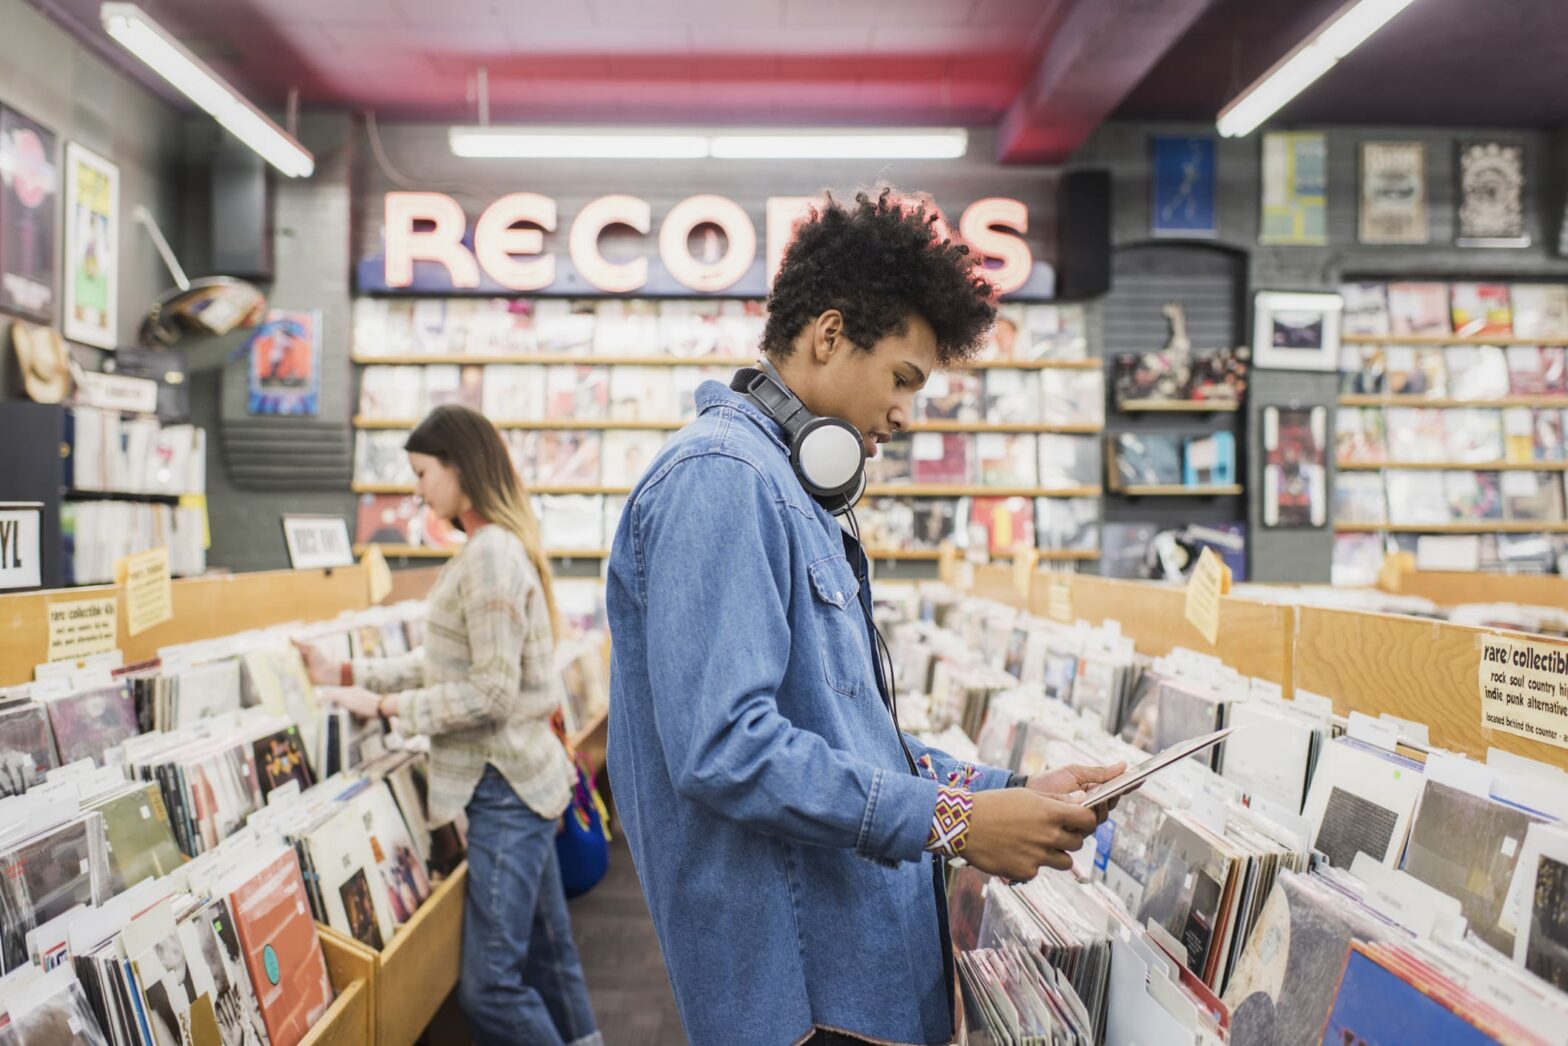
(86, 725)
(1418, 308)
(282, 950)
(26, 748)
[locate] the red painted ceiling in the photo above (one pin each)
(1045, 71)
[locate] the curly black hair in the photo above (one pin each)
(878, 262)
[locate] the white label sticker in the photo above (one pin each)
(84, 866)
(1510, 846)
(146, 813)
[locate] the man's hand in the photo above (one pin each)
(1066, 780)
(323, 671)
(1014, 832)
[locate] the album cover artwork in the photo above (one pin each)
(577, 393)
(942, 457)
(1366, 310)
(1418, 308)
(514, 392)
(1540, 310)
(86, 725)
(1363, 370)
(951, 396)
(893, 463)
(1482, 310)
(1068, 462)
(568, 459)
(1071, 524)
(563, 327)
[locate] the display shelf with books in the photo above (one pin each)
(1447, 340)
(1454, 466)
(1178, 406)
(1180, 491)
(1546, 402)
(1481, 527)
(586, 392)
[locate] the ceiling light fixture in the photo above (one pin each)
(131, 27)
(601, 143)
(1313, 57)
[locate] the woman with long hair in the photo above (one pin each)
(483, 688)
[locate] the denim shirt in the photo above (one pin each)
(776, 826)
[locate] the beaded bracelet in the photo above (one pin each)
(950, 822)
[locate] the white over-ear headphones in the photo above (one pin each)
(828, 454)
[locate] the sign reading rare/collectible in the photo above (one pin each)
(29, 216)
(1491, 195)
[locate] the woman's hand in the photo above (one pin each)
(323, 671)
(356, 699)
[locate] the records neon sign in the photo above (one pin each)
(429, 249)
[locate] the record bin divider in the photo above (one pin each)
(1419, 669)
(352, 967)
(418, 969)
(1451, 588)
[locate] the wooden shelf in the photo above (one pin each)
(1423, 401)
(1444, 340)
(1455, 466)
(1177, 406)
(426, 552)
(1180, 492)
(1496, 526)
(76, 494)
(408, 488)
(665, 360)
(603, 425)
(915, 555)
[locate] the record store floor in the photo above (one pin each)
(626, 979)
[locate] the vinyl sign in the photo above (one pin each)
(21, 545)
(429, 247)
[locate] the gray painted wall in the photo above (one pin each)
(1304, 555)
(47, 75)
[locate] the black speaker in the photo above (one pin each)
(241, 231)
(1083, 234)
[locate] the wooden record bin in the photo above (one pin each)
(414, 974)
(1417, 669)
(348, 1022)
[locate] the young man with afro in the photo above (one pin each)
(786, 835)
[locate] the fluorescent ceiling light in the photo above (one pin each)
(189, 75)
(1316, 55)
(602, 143)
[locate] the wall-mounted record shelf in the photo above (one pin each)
(1178, 406)
(1230, 491)
(556, 360)
(1444, 340)
(1455, 466)
(1495, 526)
(1424, 401)
(908, 490)
(912, 555)
(574, 425)
(74, 494)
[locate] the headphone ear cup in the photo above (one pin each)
(829, 457)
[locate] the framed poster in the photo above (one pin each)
(315, 542)
(1295, 477)
(29, 216)
(92, 247)
(1492, 183)
(1295, 190)
(285, 364)
(1393, 193)
(1183, 187)
(1295, 331)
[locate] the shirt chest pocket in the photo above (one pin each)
(845, 653)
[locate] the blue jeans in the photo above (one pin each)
(521, 980)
